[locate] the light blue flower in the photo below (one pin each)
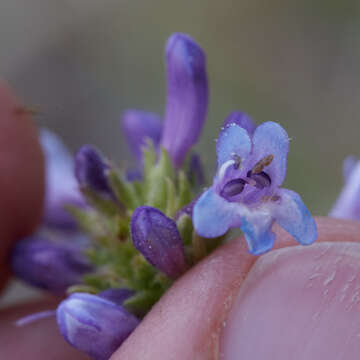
(347, 205)
(246, 190)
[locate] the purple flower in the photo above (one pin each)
(157, 238)
(139, 126)
(186, 104)
(246, 190)
(50, 265)
(90, 170)
(61, 186)
(187, 96)
(347, 206)
(94, 325)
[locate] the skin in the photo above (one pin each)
(198, 317)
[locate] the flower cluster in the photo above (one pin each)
(136, 231)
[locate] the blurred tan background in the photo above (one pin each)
(82, 62)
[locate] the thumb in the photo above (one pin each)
(294, 302)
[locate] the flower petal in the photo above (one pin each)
(233, 140)
(294, 217)
(242, 119)
(271, 139)
(213, 216)
(157, 238)
(256, 226)
(348, 166)
(138, 126)
(61, 185)
(94, 325)
(50, 265)
(90, 170)
(347, 205)
(187, 96)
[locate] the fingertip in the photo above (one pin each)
(22, 174)
(21, 163)
(188, 321)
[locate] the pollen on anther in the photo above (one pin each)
(260, 165)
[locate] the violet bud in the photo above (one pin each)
(187, 96)
(94, 325)
(139, 126)
(242, 119)
(157, 238)
(90, 170)
(49, 265)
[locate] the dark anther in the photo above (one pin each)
(237, 160)
(262, 179)
(232, 188)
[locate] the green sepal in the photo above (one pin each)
(89, 220)
(185, 194)
(149, 158)
(98, 281)
(171, 198)
(185, 227)
(143, 272)
(82, 288)
(104, 205)
(142, 302)
(155, 181)
(124, 190)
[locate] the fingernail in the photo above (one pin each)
(297, 303)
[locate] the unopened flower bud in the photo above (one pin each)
(50, 265)
(90, 170)
(94, 325)
(157, 238)
(187, 96)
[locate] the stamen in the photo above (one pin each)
(237, 160)
(232, 188)
(262, 180)
(224, 167)
(260, 165)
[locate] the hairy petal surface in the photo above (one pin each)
(242, 119)
(233, 140)
(271, 139)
